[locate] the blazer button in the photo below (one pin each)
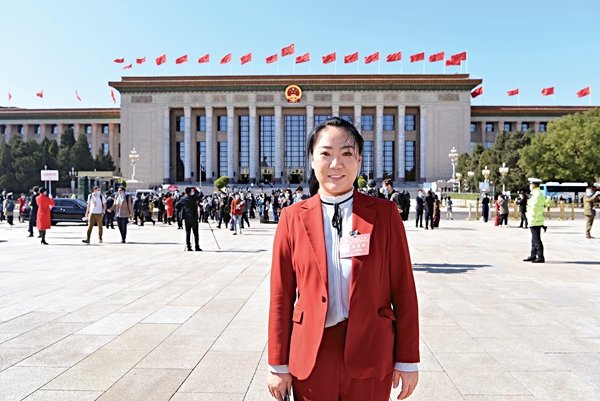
(323, 299)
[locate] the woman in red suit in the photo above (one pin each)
(44, 216)
(343, 318)
(170, 208)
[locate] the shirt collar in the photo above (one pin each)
(338, 199)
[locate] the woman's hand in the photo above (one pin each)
(409, 382)
(279, 384)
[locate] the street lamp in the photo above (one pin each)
(133, 159)
(458, 177)
(453, 155)
(471, 174)
(72, 174)
(503, 171)
(486, 174)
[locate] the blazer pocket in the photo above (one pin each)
(297, 315)
(386, 312)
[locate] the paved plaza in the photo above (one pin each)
(148, 321)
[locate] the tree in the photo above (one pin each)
(67, 138)
(104, 162)
(568, 151)
(80, 155)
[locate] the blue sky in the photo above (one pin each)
(64, 46)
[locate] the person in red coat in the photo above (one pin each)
(44, 216)
(169, 208)
(236, 210)
(343, 317)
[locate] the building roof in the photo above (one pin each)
(526, 111)
(245, 83)
(15, 113)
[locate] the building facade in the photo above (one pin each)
(254, 128)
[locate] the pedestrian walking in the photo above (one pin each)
(429, 209)
(485, 207)
(589, 212)
(9, 208)
(535, 215)
(333, 333)
(169, 208)
(123, 210)
(33, 209)
(522, 203)
(503, 210)
(2, 199)
(236, 211)
(188, 206)
(420, 208)
(96, 206)
(449, 203)
(44, 213)
(109, 216)
(22, 208)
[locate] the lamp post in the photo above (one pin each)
(72, 174)
(486, 174)
(503, 171)
(133, 159)
(471, 174)
(453, 156)
(458, 177)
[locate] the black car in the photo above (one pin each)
(68, 211)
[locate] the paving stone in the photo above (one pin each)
(178, 352)
(43, 336)
(143, 337)
(146, 385)
(172, 314)
(67, 352)
(550, 386)
(52, 395)
(12, 356)
(18, 382)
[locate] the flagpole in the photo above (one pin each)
(277, 65)
(466, 63)
(401, 66)
(335, 67)
(379, 65)
(358, 66)
(423, 66)
(519, 99)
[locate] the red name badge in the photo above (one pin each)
(354, 245)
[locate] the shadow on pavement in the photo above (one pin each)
(579, 262)
(445, 268)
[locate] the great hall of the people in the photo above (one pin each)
(254, 128)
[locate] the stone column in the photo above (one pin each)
(378, 142)
(400, 144)
(536, 126)
(76, 130)
(9, 132)
(254, 156)
(335, 110)
(230, 144)
(166, 144)
(422, 144)
(113, 143)
(278, 144)
(95, 142)
(310, 125)
(357, 117)
(44, 129)
(187, 143)
(26, 132)
(209, 144)
(61, 130)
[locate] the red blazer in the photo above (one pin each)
(44, 215)
(383, 325)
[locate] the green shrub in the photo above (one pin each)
(221, 182)
(362, 182)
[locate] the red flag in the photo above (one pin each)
(226, 58)
(548, 91)
(40, 94)
(77, 96)
(436, 57)
(513, 92)
(584, 92)
(394, 57)
(287, 51)
(9, 96)
(246, 58)
(329, 58)
(204, 59)
(272, 59)
(112, 95)
(477, 92)
(119, 60)
(128, 67)
(453, 61)
(372, 57)
(141, 60)
(459, 56)
(182, 59)
(417, 57)
(161, 59)
(351, 58)
(303, 58)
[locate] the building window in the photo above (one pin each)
(488, 145)
(346, 117)
(489, 127)
(105, 129)
(201, 160)
(366, 122)
(410, 173)
(105, 149)
(222, 123)
(295, 141)
(223, 165)
(267, 141)
(201, 123)
(38, 129)
(368, 154)
(118, 127)
(244, 141)
(179, 123)
(2, 129)
(524, 127)
(388, 159)
(181, 146)
(473, 128)
(410, 122)
(321, 118)
(179, 166)
(90, 148)
(388, 122)
(55, 129)
(508, 127)
(20, 129)
(88, 129)
(543, 126)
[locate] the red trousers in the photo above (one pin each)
(329, 381)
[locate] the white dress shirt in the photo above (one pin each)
(339, 270)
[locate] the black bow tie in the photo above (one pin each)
(336, 222)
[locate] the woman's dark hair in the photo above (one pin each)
(313, 184)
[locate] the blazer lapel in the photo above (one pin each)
(363, 219)
(312, 220)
